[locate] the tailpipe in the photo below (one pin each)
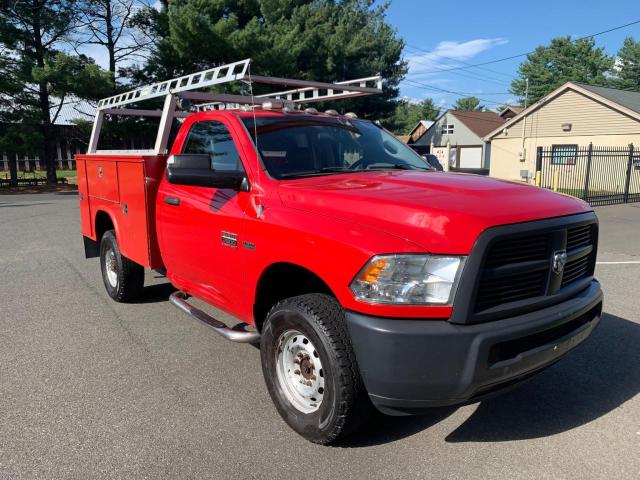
(241, 333)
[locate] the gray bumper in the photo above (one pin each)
(411, 365)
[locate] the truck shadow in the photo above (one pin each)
(590, 382)
(156, 293)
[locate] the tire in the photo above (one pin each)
(310, 329)
(123, 278)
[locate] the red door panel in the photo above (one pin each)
(200, 233)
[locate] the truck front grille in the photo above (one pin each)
(579, 236)
(518, 250)
(519, 268)
(510, 288)
(575, 270)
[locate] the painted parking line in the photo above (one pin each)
(632, 262)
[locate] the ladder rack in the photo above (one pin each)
(188, 87)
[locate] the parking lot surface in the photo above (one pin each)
(94, 389)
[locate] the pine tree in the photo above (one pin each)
(563, 60)
(408, 114)
(37, 76)
(310, 39)
(628, 65)
(469, 104)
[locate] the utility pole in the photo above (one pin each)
(524, 126)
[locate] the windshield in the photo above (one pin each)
(306, 146)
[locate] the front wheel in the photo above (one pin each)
(123, 278)
(310, 368)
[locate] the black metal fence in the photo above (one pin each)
(598, 175)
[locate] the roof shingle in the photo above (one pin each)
(480, 123)
(626, 98)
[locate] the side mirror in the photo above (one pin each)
(195, 169)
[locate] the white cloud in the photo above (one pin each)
(448, 54)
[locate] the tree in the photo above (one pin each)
(40, 76)
(468, 104)
(311, 39)
(563, 60)
(628, 65)
(108, 23)
(407, 115)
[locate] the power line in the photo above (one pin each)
(527, 53)
(452, 92)
(471, 75)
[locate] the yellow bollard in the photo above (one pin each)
(538, 175)
(556, 174)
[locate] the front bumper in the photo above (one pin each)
(411, 365)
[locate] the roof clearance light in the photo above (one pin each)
(332, 112)
(350, 115)
(273, 105)
(311, 111)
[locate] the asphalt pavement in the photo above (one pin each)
(94, 389)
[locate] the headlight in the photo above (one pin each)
(408, 279)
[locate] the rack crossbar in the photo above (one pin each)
(190, 87)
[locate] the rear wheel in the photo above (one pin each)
(123, 278)
(310, 368)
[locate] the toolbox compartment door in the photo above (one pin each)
(86, 228)
(132, 214)
(102, 178)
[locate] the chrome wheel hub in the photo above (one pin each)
(111, 267)
(299, 371)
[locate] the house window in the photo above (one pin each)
(447, 129)
(564, 154)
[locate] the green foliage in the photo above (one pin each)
(468, 104)
(628, 65)
(77, 75)
(408, 114)
(35, 74)
(310, 39)
(563, 60)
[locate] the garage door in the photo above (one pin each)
(470, 157)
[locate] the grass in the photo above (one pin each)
(70, 175)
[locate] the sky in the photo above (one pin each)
(443, 35)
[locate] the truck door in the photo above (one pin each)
(199, 228)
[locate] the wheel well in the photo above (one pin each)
(284, 280)
(103, 223)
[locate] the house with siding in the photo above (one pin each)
(510, 111)
(415, 133)
(565, 121)
(456, 138)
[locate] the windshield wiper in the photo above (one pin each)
(316, 172)
(336, 169)
(396, 166)
(320, 171)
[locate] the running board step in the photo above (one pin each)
(241, 333)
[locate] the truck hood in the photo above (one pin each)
(441, 212)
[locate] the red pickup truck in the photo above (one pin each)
(367, 278)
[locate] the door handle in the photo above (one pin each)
(172, 201)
